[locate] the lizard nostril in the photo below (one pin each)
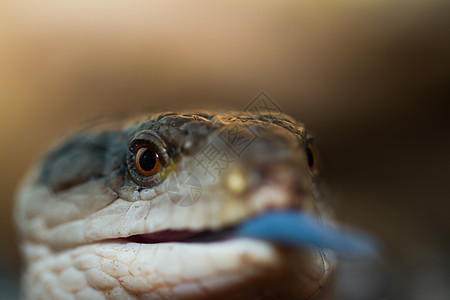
(236, 181)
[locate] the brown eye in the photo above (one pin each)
(148, 159)
(147, 162)
(311, 156)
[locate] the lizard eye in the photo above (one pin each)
(311, 156)
(147, 159)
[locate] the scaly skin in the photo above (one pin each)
(78, 208)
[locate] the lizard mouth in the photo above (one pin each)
(234, 259)
(163, 236)
(183, 236)
(288, 228)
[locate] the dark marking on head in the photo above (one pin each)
(103, 155)
(84, 157)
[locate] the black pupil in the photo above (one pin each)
(147, 161)
(310, 157)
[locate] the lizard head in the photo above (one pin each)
(183, 205)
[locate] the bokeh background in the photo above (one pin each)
(369, 78)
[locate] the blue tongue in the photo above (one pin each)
(300, 230)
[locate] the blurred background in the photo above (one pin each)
(369, 78)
